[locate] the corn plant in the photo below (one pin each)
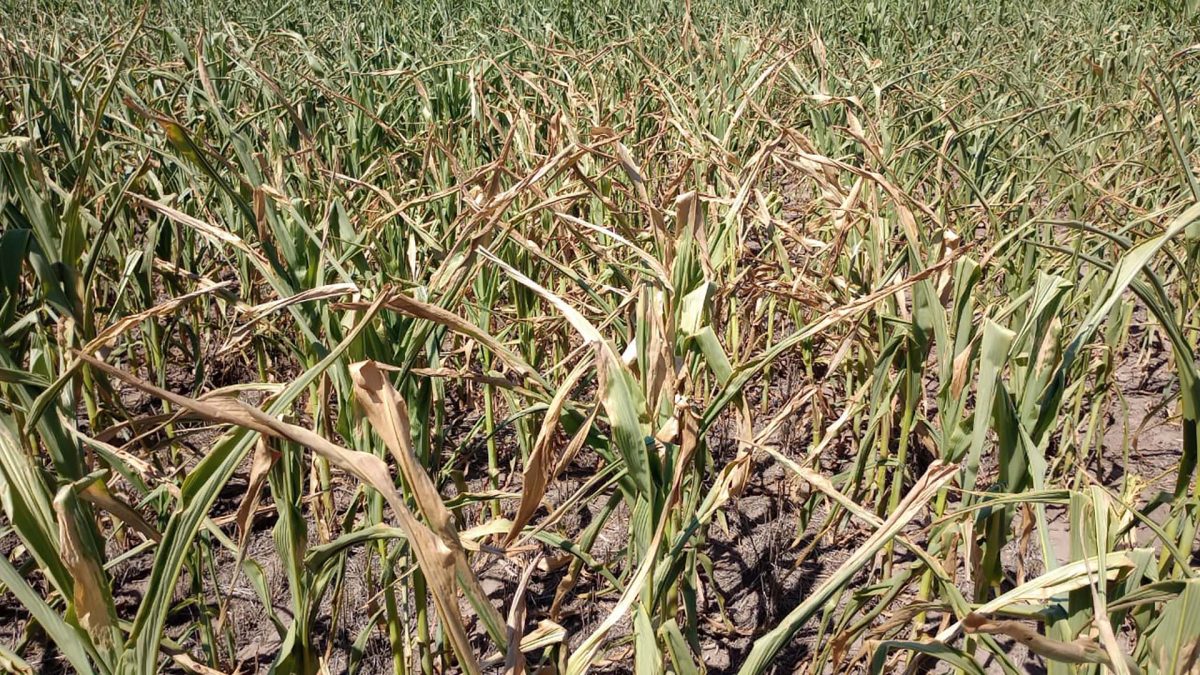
(457, 337)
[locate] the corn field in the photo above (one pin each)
(629, 337)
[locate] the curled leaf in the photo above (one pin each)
(1080, 650)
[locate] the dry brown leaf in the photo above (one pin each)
(262, 311)
(514, 660)
(216, 234)
(193, 666)
(1080, 650)
(410, 306)
(114, 330)
(538, 474)
(89, 597)
(433, 556)
(97, 493)
(388, 415)
(260, 465)
(264, 458)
